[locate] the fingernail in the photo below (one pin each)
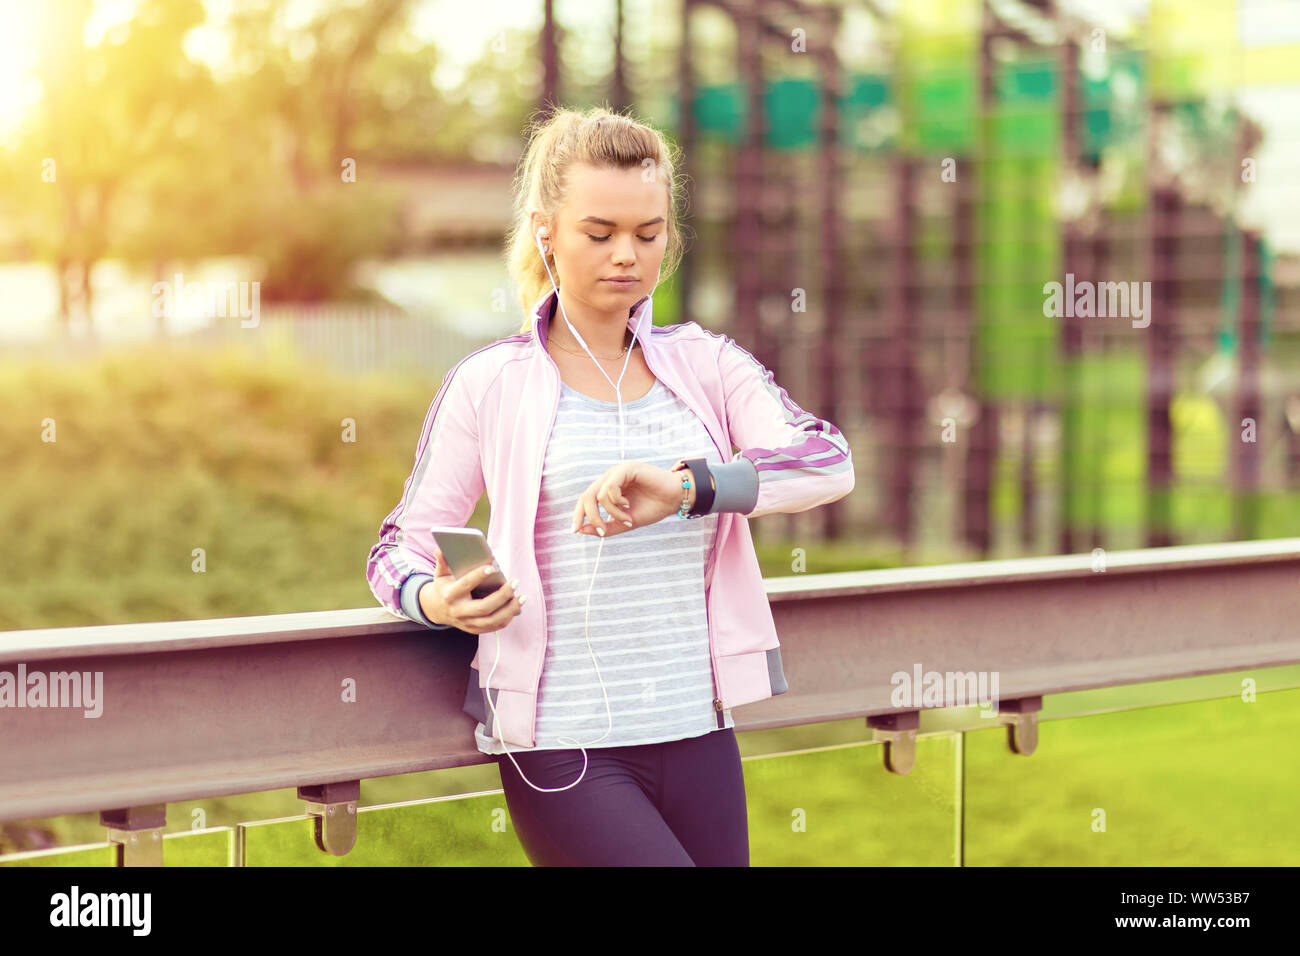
(523, 598)
(628, 523)
(601, 532)
(515, 584)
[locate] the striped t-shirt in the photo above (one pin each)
(648, 623)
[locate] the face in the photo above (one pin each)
(614, 224)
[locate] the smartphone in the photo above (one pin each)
(466, 550)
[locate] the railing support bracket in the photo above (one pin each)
(334, 806)
(898, 733)
(137, 831)
(1021, 718)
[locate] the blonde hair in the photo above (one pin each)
(600, 138)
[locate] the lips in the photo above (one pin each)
(620, 281)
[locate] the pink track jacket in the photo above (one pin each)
(488, 429)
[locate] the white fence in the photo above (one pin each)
(354, 339)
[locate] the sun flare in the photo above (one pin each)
(18, 39)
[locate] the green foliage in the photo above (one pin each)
(161, 452)
(309, 243)
(157, 160)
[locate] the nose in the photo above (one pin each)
(625, 253)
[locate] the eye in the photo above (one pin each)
(603, 238)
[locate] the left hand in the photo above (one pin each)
(631, 490)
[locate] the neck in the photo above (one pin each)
(605, 335)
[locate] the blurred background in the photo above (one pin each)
(882, 193)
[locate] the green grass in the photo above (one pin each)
(158, 455)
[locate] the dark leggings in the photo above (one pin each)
(678, 803)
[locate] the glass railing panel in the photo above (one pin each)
(838, 806)
(211, 847)
(472, 830)
(94, 854)
(1204, 783)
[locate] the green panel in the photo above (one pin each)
(1016, 355)
(865, 95)
(720, 109)
(1267, 292)
(1027, 81)
(1210, 783)
(1230, 294)
(1112, 103)
(212, 847)
(1230, 298)
(840, 807)
(792, 106)
(942, 107)
(867, 91)
(1026, 119)
(1025, 131)
(1107, 431)
(937, 80)
(793, 110)
(471, 830)
(91, 854)
(1177, 76)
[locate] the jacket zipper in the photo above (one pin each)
(708, 605)
(541, 464)
(708, 601)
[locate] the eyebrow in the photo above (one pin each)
(606, 222)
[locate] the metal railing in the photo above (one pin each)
(321, 700)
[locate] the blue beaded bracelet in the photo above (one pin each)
(683, 511)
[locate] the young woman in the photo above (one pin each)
(634, 617)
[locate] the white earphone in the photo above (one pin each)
(541, 233)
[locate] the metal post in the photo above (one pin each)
(1159, 340)
(984, 433)
(747, 183)
(686, 75)
(550, 56)
(827, 388)
(901, 393)
(1244, 436)
(619, 94)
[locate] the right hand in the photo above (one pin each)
(446, 600)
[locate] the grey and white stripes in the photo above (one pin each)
(648, 621)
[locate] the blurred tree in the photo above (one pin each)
(106, 120)
(323, 101)
(158, 161)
